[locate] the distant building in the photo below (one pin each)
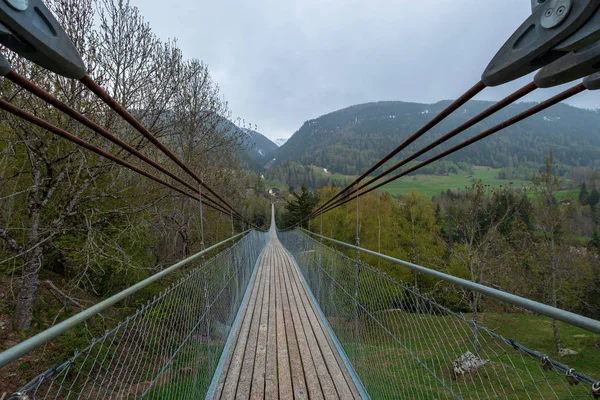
(565, 202)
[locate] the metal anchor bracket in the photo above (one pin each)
(592, 82)
(532, 44)
(574, 65)
(29, 29)
(5, 66)
(587, 34)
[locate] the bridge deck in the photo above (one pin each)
(281, 347)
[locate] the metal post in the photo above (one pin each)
(320, 261)
(357, 275)
(206, 299)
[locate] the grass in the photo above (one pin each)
(387, 369)
(431, 185)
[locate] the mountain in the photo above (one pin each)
(349, 141)
(259, 147)
(256, 149)
(281, 141)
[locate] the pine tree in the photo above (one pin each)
(594, 198)
(583, 195)
(301, 207)
(595, 240)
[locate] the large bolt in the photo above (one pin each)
(19, 5)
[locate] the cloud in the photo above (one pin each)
(280, 63)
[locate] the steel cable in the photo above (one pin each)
(115, 106)
(48, 98)
(468, 95)
(525, 90)
(80, 142)
(511, 121)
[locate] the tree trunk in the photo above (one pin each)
(474, 306)
(31, 282)
(556, 335)
(554, 264)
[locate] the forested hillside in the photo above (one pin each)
(254, 150)
(349, 141)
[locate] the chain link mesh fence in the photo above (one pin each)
(403, 344)
(170, 347)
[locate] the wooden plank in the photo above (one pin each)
(310, 371)
(343, 382)
(233, 373)
(271, 389)
(246, 372)
(282, 348)
(296, 364)
(283, 360)
(249, 309)
(260, 358)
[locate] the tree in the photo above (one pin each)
(549, 221)
(594, 198)
(301, 207)
(583, 195)
(478, 219)
(595, 239)
(67, 210)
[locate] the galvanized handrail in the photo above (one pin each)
(41, 338)
(580, 321)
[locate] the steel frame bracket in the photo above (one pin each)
(532, 45)
(29, 29)
(5, 66)
(592, 82)
(574, 65)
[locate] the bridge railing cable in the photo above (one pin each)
(405, 344)
(163, 348)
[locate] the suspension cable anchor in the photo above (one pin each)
(29, 29)
(571, 378)
(546, 364)
(5, 66)
(533, 44)
(592, 82)
(575, 65)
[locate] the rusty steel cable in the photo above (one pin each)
(5, 105)
(525, 90)
(119, 109)
(48, 98)
(511, 121)
(468, 95)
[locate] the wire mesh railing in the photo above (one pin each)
(403, 344)
(170, 347)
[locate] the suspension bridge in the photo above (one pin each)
(291, 313)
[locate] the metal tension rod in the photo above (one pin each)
(64, 134)
(31, 87)
(511, 121)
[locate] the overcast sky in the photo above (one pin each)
(281, 62)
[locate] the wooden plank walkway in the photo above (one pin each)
(281, 348)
